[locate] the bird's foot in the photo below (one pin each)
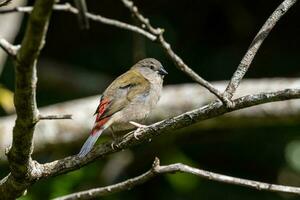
(137, 132)
(114, 146)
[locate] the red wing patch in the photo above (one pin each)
(104, 103)
(100, 121)
(99, 124)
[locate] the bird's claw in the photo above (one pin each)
(114, 146)
(137, 132)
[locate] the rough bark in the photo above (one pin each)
(19, 156)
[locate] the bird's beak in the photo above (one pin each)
(162, 71)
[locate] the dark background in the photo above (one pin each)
(211, 37)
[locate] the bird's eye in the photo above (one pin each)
(152, 67)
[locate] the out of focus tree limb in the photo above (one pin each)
(176, 99)
(5, 2)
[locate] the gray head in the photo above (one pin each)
(150, 65)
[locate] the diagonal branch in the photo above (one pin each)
(255, 45)
(19, 156)
(160, 128)
(82, 18)
(9, 48)
(157, 170)
(152, 34)
(179, 63)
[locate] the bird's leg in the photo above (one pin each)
(113, 135)
(136, 133)
(113, 145)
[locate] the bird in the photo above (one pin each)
(128, 100)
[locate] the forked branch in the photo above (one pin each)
(255, 45)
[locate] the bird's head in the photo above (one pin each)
(150, 66)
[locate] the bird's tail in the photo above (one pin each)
(89, 143)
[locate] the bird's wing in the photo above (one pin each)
(121, 92)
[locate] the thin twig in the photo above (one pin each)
(9, 48)
(255, 45)
(98, 18)
(50, 117)
(179, 63)
(82, 10)
(172, 169)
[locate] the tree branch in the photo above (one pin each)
(9, 48)
(50, 117)
(98, 18)
(166, 126)
(157, 170)
(179, 63)
(255, 45)
(82, 18)
(19, 156)
(25, 172)
(175, 100)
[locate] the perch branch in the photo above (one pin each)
(166, 126)
(158, 169)
(174, 101)
(255, 45)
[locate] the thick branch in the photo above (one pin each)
(172, 169)
(19, 156)
(255, 45)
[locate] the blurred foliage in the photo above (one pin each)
(211, 36)
(6, 100)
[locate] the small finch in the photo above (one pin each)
(128, 100)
